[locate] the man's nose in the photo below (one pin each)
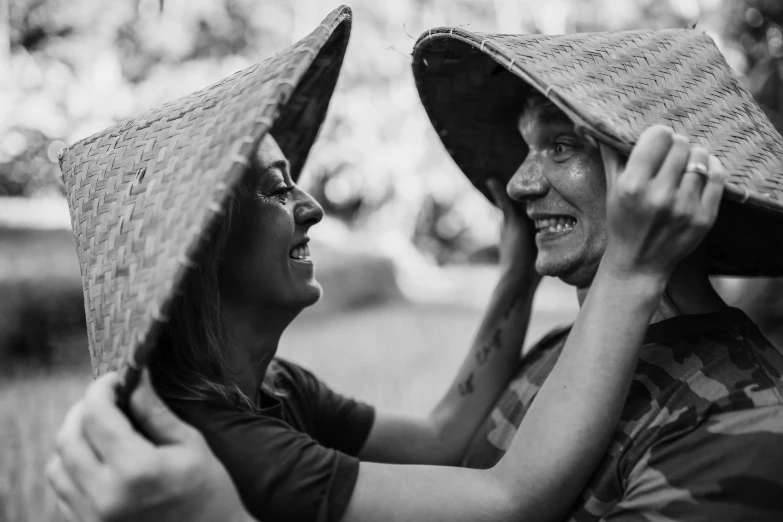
(307, 211)
(528, 182)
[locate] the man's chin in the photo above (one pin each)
(572, 272)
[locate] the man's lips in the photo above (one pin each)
(553, 223)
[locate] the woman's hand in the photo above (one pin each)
(517, 236)
(105, 470)
(659, 206)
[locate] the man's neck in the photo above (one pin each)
(689, 291)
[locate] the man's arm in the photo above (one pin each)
(441, 437)
(728, 468)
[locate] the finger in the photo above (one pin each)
(157, 421)
(66, 513)
(70, 499)
(669, 175)
(614, 164)
(713, 191)
(688, 194)
(77, 456)
(649, 153)
(106, 428)
(499, 197)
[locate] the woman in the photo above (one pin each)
(289, 443)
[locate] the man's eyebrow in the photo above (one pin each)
(544, 111)
(552, 114)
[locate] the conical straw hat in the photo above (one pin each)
(612, 86)
(146, 194)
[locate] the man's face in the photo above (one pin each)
(563, 186)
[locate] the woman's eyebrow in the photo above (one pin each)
(279, 164)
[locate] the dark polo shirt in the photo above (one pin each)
(295, 460)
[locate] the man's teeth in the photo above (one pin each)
(553, 225)
(301, 252)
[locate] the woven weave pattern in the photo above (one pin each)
(145, 194)
(613, 86)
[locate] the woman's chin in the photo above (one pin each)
(313, 294)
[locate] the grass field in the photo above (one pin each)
(399, 356)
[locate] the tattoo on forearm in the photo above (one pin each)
(494, 343)
(514, 300)
(466, 387)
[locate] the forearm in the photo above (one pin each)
(441, 437)
(392, 493)
(569, 425)
(491, 362)
(562, 438)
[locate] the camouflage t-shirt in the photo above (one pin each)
(701, 434)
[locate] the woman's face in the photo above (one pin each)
(267, 261)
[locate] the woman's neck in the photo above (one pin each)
(253, 338)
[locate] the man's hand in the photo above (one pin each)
(105, 470)
(661, 204)
(517, 237)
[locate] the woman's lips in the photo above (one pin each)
(300, 253)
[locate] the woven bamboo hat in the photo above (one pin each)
(612, 85)
(146, 194)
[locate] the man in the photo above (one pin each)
(701, 435)
(707, 386)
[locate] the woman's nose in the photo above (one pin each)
(528, 182)
(308, 211)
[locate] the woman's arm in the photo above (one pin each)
(653, 221)
(441, 437)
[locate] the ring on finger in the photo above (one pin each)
(699, 168)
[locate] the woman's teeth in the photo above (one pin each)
(301, 252)
(554, 225)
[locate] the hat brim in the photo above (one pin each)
(146, 195)
(473, 90)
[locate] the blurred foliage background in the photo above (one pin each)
(71, 68)
(406, 229)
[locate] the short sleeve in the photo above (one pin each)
(281, 474)
(729, 468)
(336, 421)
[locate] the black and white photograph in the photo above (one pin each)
(391, 261)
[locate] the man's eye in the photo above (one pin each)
(562, 147)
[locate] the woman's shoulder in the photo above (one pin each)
(290, 376)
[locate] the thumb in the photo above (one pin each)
(153, 417)
(614, 164)
(499, 196)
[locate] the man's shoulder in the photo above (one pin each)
(720, 368)
(704, 409)
(683, 382)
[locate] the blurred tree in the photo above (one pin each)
(755, 27)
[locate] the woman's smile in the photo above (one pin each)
(301, 252)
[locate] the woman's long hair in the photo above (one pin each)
(190, 361)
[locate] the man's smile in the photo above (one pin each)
(555, 225)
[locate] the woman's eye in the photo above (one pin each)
(282, 191)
